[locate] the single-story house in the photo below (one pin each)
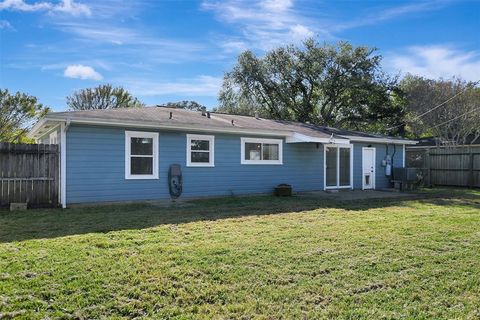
(125, 154)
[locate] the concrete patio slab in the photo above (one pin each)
(357, 194)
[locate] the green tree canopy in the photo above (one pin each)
(17, 113)
(104, 96)
(443, 108)
(334, 85)
(186, 104)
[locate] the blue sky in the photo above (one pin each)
(170, 50)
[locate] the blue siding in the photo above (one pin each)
(381, 180)
(96, 168)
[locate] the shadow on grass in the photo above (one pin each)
(52, 223)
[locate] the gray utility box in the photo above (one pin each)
(405, 174)
(405, 179)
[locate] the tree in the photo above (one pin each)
(17, 113)
(334, 85)
(102, 97)
(447, 109)
(186, 104)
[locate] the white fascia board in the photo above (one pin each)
(32, 133)
(135, 124)
(63, 164)
(298, 138)
(380, 140)
(39, 129)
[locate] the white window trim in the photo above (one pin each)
(337, 145)
(211, 150)
(260, 140)
(141, 134)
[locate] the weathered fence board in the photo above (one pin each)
(447, 167)
(29, 173)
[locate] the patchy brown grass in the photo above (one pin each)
(256, 257)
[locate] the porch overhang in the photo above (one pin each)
(302, 138)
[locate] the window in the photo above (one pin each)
(338, 166)
(53, 138)
(141, 155)
(200, 150)
(261, 151)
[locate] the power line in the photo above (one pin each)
(438, 106)
(463, 114)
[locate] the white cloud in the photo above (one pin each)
(206, 86)
(21, 5)
(5, 25)
(73, 8)
(277, 5)
(265, 24)
(299, 32)
(437, 62)
(133, 43)
(65, 6)
(99, 33)
(233, 45)
(78, 71)
(391, 13)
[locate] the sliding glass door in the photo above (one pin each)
(338, 162)
(344, 167)
(331, 166)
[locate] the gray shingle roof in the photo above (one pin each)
(182, 117)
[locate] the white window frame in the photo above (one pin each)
(338, 146)
(141, 134)
(261, 140)
(211, 151)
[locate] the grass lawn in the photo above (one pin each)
(255, 257)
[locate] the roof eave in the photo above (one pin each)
(137, 124)
(291, 137)
(33, 132)
(380, 140)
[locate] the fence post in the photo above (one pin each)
(470, 180)
(428, 164)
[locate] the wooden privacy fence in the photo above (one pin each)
(447, 167)
(29, 173)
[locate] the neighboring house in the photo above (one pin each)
(472, 141)
(125, 154)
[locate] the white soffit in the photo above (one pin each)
(298, 138)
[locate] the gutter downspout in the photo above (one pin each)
(63, 162)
